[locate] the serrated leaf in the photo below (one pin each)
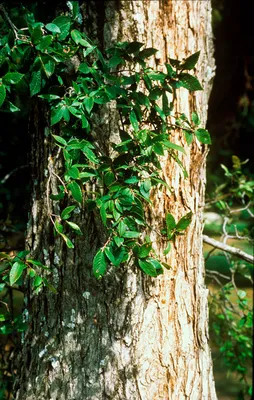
(75, 227)
(184, 222)
(35, 84)
(190, 61)
(2, 94)
(189, 82)
(75, 191)
(53, 28)
(99, 265)
(16, 271)
(203, 136)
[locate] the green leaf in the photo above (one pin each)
(88, 103)
(150, 267)
(35, 84)
(134, 47)
(68, 242)
(56, 115)
(160, 112)
(2, 94)
(118, 240)
(84, 68)
(75, 191)
(49, 97)
(10, 107)
(85, 122)
(103, 214)
(53, 28)
(157, 76)
(114, 61)
(174, 146)
(121, 228)
(188, 136)
(134, 121)
(190, 61)
(60, 140)
(195, 118)
(171, 224)
(203, 136)
(73, 172)
(74, 227)
(99, 265)
(184, 222)
(90, 155)
(44, 43)
(158, 149)
(167, 249)
(143, 251)
(67, 211)
(37, 264)
(16, 271)
(150, 51)
(131, 234)
(189, 82)
(12, 78)
(64, 23)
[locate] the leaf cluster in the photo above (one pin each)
(58, 64)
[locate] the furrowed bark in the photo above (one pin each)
(127, 336)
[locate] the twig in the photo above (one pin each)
(14, 28)
(228, 249)
(11, 173)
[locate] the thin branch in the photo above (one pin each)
(7, 176)
(228, 249)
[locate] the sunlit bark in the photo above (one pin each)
(127, 336)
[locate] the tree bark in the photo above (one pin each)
(127, 336)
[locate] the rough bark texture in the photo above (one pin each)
(126, 337)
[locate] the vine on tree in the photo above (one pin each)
(59, 65)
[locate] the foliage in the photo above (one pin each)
(61, 66)
(231, 315)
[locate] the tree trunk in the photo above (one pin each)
(127, 336)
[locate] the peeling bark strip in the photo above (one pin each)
(127, 337)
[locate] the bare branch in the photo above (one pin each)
(228, 249)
